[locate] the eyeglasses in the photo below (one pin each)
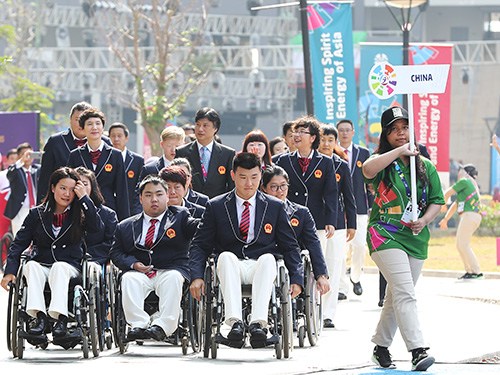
(275, 188)
(301, 133)
(344, 130)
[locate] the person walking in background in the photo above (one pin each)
(356, 156)
(345, 228)
(210, 160)
(277, 146)
(256, 142)
(398, 245)
(467, 205)
(23, 182)
(133, 163)
(287, 131)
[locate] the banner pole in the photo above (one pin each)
(413, 167)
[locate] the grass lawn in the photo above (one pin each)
(443, 254)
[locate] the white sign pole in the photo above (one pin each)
(413, 161)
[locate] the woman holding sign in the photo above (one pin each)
(397, 244)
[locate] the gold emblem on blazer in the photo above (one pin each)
(268, 228)
(294, 222)
(130, 174)
(318, 173)
(337, 176)
(359, 164)
(170, 233)
(222, 169)
(108, 167)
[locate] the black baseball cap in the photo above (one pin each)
(392, 114)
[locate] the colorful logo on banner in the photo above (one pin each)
(382, 80)
(332, 61)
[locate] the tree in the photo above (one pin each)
(161, 56)
(17, 92)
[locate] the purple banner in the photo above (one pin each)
(17, 128)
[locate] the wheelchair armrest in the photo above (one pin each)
(304, 252)
(278, 257)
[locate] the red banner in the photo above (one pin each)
(432, 111)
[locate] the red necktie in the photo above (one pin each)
(150, 235)
(58, 219)
(347, 156)
(245, 221)
(304, 164)
(94, 156)
(31, 193)
(80, 142)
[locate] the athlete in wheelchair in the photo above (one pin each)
(247, 231)
(98, 246)
(151, 251)
(55, 233)
(307, 306)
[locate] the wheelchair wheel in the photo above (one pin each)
(111, 292)
(14, 325)
(184, 345)
(85, 346)
(214, 347)
(93, 320)
(10, 317)
(194, 323)
(207, 312)
(278, 348)
(286, 313)
(312, 306)
(301, 335)
(19, 348)
(120, 324)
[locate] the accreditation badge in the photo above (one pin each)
(406, 217)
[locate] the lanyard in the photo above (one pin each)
(423, 200)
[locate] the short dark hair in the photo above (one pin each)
(12, 151)
(346, 121)
(312, 125)
(328, 129)
(119, 125)
(273, 142)
(188, 127)
(152, 179)
(182, 162)
(210, 114)
(23, 146)
(246, 160)
(174, 173)
(90, 113)
(270, 172)
(286, 127)
(79, 107)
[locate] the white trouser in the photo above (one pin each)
(469, 222)
(334, 252)
(58, 276)
(400, 305)
(358, 253)
(167, 284)
(17, 222)
(233, 272)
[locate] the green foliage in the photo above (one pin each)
(491, 218)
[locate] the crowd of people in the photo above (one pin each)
(158, 221)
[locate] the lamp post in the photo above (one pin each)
(404, 22)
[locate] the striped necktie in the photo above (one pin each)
(245, 221)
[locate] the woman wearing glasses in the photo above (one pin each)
(275, 183)
(312, 177)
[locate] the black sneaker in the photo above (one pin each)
(476, 276)
(341, 296)
(421, 361)
(382, 357)
(465, 276)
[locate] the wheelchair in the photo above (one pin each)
(279, 317)
(82, 315)
(187, 333)
(307, 310)
(103, 298)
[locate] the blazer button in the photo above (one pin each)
(64, 246)
(296, 193)
(151, 251)
(53, 246)
(305, 194)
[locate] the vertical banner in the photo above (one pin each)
(432, 111)
(17, 128)
(332, 61)
(368, 128)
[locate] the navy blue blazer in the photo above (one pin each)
(133, 166)
(304, 227)
(347, 203)
(46, 247)
(219, 179)
(170, 250)
(153, 167)
(110, 174)
(194, 209)
(361, 193)
(98, 244)
(196, 197)
(219, 232)
(19, 188)
(55, 155)
(316, 189)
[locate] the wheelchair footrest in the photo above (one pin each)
(219, 339)
(34, 340)
(70, 340)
